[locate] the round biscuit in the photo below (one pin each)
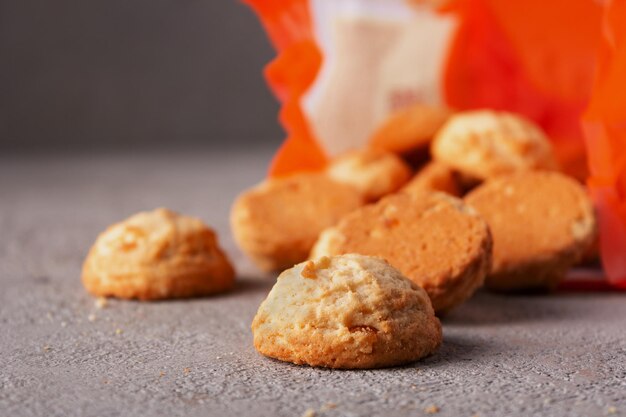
(434, 176)
(374, 173)
(542, 224)
(348, 311)
(482, 144)
(434, 239)
(277, 222)
(157, 255)
(410, 129)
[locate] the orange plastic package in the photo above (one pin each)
(548, 60)
(605, 128)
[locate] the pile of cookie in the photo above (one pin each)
(379, 251)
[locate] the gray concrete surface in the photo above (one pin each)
(561, 355)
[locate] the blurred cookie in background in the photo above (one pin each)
(155, 255)
(542, 224)
(375, 173)
(435, 176)
(484, 144)
(277, 222)
(434, 239)
(409, 131)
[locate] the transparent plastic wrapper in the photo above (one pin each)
(344, 66)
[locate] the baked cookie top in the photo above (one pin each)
(434, 239)
(409, 129)
(278, 221)
(375, 173)
(537, 217)
(485, 143)
(348, 311)
(434, 176)
(144, 255)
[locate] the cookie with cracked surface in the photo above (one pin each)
(434, 176)
(349, 311)
(277, 222)
(542, 224)
(155, 255)
(482, 144)
(374, 173)
(434, 239)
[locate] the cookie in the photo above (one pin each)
(483, 144)
(434, 239)
(348, 311)
(157, 255)
(434, 176)
(374, 173)
(277, 222)
(542, 224)
(410, 129)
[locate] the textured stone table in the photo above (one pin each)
(555, 355)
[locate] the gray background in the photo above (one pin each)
(94, 74)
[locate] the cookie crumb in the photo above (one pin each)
(431, 409)
(46, 348)
(611, 410)
(328, 406)
(323, 262)
(118, 331)
(186, 371)
(161, 374)
(309, 270)
(101, 302)
(91, 317)
(309, 413)
(390, 222)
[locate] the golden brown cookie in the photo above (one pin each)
(542, 224)
(374, 173)
(348, 311)
(410, 129)
(434, 176)
(157, 255)
(432, 238)
(484, 144)
(277, 222)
